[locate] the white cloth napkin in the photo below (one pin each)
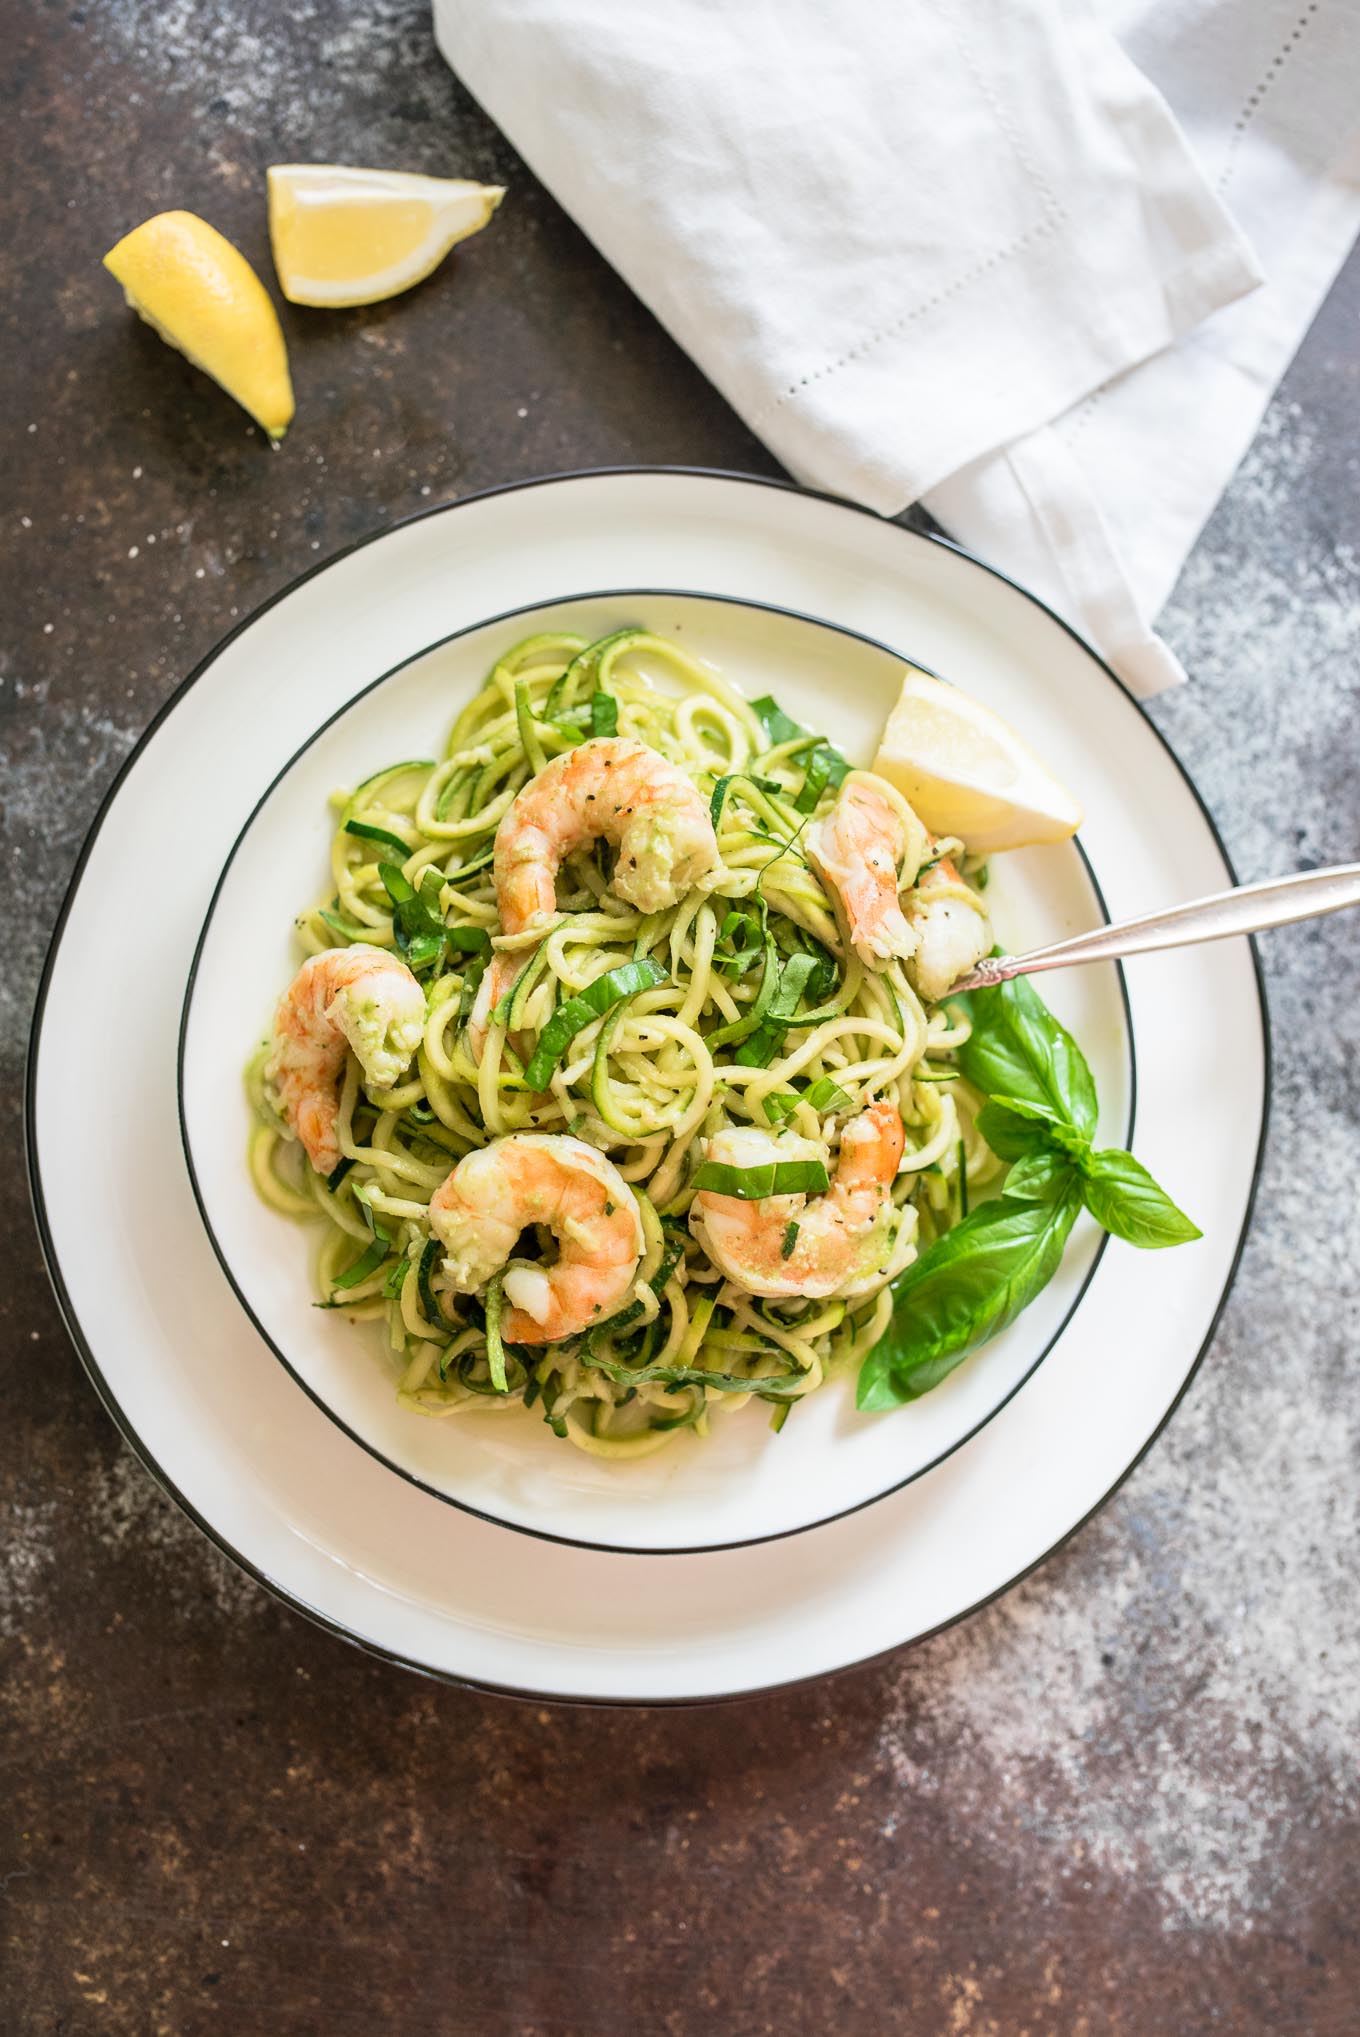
(923, 246)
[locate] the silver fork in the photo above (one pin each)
(1251, 909)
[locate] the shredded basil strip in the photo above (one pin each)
(741, 1028)
(418, 925)
(593, 1002)
(363, 1267)
(416, 921)
(755, 1184)
(495, 1349)
(790, 1240)
(795, 978)
(384, 835)
(396, 1278)
(826, 767)
(378, 1230)
(429, 1300)
(824, 1096)
(821, 766)
(778, 726)
(604, 714)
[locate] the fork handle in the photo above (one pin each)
(1250, 909)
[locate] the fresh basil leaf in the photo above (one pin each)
(1014, 1128)
(962, 1292)
(1039, 1176)
(1018, 1050)
(1122, 1195)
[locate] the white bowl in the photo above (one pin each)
(742, 1484)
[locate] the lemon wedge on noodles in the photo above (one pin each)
(203, 298)
(967, 773)
(345, 236)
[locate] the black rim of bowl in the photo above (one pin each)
(85, 1350)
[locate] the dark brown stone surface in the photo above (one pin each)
(1124, 1799)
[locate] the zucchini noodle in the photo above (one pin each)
(647, 1082)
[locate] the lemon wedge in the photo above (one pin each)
(967, 773)
(203, 298)
(345, 236)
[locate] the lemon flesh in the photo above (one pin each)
(348, 236)
(203, 298)
(967, 773)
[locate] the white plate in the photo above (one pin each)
(743, 1484)
(277, 1484)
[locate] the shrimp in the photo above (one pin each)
(358, 997)
(840, 1243)
(611, 787)
(951, 930)
(552, 1179)
(869, 837)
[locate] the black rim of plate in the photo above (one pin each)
(72, 1321)
(534, 608)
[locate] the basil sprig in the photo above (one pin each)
(975, 1280)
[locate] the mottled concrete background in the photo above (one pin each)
(1124, 1799)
